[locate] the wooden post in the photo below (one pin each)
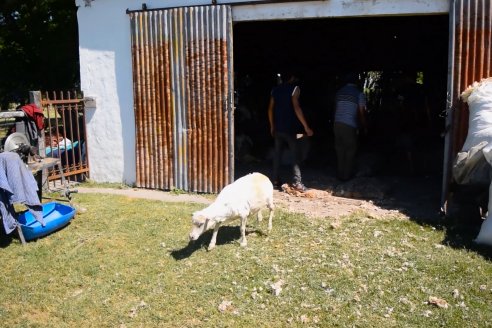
(35, 98)
(21, 234)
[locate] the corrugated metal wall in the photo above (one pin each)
(470, 60)
(472, 57)
(183, 96)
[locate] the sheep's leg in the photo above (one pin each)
(243, 242)
(259, 216)
(214, 237)
(271, 207)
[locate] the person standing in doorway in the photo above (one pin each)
(287, 122)
(350, 108)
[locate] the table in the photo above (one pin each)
(37, 168)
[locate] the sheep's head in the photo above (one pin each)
(200, 225)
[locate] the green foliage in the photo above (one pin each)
(420, 78)
(92, 184)
(38, 47)
(177, 191)
(126, 262)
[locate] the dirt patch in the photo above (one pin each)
(322, 203)
(329, 206)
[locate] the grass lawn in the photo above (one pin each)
(127, 263)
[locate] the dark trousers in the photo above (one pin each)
(282, 139)
(346, 148)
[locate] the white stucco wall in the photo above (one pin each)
(106, 67)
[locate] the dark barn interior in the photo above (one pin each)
(403, 65)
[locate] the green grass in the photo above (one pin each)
(92, 184)
(127, 263)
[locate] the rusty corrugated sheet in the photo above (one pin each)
(182, 73)
(470, 60)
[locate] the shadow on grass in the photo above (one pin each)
(226, 235)
(5, 240)
(461, 235)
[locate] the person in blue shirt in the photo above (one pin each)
(350, 108)
(287, 122)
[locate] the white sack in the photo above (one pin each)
(479, 137)
(472, 167)
(487, 153)
(479, 99)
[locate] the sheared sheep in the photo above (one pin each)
(238, 200)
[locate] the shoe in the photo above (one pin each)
(277, 184)
(298, 186)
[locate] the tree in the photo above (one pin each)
(38, 47)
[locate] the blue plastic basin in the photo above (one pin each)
(55, 215)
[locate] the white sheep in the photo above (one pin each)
(238, 200)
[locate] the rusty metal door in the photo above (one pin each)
(183, 97)
(470, 60)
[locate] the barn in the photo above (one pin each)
(181, 87)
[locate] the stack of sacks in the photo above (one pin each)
(474, 162)
(471, 166)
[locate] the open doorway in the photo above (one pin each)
(403, 62)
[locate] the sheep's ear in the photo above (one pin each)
(194, 217)
(198, 219)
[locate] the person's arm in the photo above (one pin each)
(362, 113)
(362, 117)
(428, 115)
(299, 113)
(270, 115)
